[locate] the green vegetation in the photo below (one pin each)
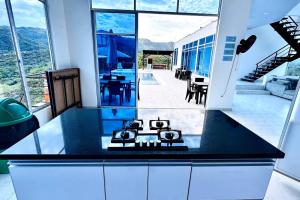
(156, 59)
(36, 60)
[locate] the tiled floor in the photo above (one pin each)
(168, 93)
(263, 114)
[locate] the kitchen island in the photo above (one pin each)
(68, 158)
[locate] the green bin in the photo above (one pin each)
(16, 122)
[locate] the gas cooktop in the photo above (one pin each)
(160, 136)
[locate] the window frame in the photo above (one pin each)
(94, 29)
(135, 9)
(17, 49)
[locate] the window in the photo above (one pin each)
(10, 78)
(158, 5)
(33, 48)
(182, 6)
(204, 55)
(116, 49)
(199, 6)
(115, 4)
(175, 56)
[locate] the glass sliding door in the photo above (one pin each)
(116, 58)
(10, 78)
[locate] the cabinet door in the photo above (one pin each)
(229, 182)
(126, 181)
(168, 182)
(58, 182)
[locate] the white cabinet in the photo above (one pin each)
(49, 182)
(126, 181)
(229, 182)
(168, 182)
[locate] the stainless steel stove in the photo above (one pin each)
(160, 136)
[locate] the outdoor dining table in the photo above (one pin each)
(200, 84)
(105, 82)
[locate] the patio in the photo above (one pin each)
(263, 114)
(163, 90)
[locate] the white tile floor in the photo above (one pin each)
(169, 93)
(265, 115)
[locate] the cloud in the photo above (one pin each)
(29, 13)
(199, 6)
(166, 28)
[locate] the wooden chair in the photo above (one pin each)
(64, 89)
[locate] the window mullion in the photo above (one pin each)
(18, 53)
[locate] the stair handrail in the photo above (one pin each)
(274, 55)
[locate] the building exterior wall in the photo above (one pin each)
(208, 30)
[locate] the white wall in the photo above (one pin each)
(210, 29)
(59, 33)
(233, 21)
(71, 28)
(268, 41)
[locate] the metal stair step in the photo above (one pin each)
(246, 79)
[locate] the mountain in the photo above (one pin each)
(29, 38)
(146, 44)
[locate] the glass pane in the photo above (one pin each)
(31, 29)
(209, 39)
(10, 79)
(158, 5)
(199, 6)
(202, 41)
(117, 67)
(207, 60)
(115, 4)
(200, 61)
(115, 23)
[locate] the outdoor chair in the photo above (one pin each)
(203, 93)
(115, 88)
(177, 72)
(121, 78)
(190, 90)
(185, 75)
(128, 88)
(106, 77)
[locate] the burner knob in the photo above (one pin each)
(158, 143)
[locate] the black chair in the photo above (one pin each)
(203, 93)
(185, 75)
(190, 90)
(177, 72)
(128, 88)
(115, 88)
(121, 78)
(106, 77)
(199, 80)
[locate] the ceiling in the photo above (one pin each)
(268, 11)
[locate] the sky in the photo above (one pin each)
(170, 28)
(27, 13)
(191, 6)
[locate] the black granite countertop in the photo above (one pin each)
(84, 134)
